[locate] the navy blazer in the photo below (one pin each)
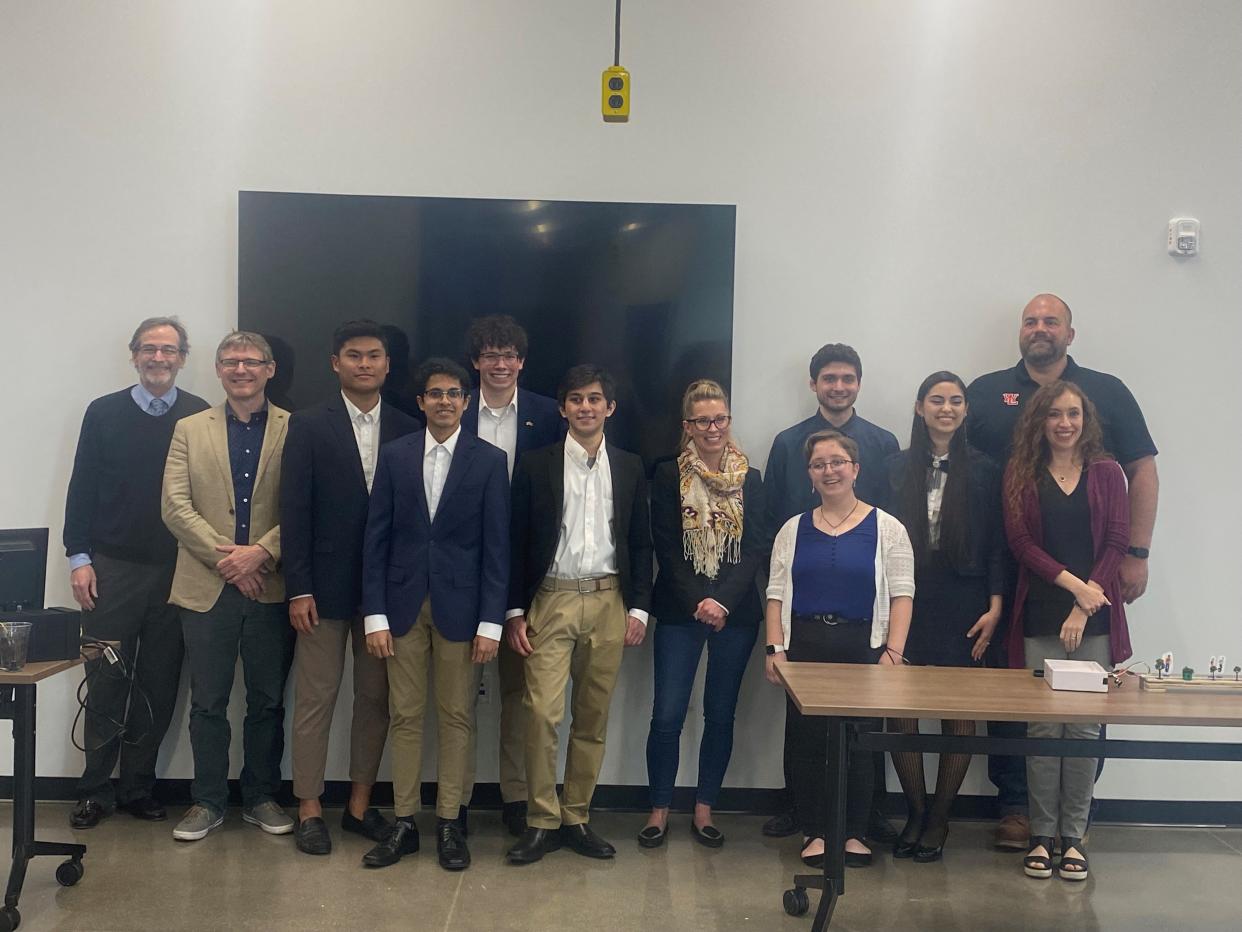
(460, 560)
(323, 504)
(539, 421)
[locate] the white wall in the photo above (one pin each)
(907, 174)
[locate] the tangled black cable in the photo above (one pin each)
(109, 664)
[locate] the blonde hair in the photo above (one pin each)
(245, 338)
(696, 391)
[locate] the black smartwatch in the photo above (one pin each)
(1141, 552)
(773, 649)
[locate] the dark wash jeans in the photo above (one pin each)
(213, 639)
(678, 648)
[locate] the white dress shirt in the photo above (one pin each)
(498, 426)
(437, 458)
(366, 426)
(936, 478)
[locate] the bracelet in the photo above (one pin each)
(901, 658)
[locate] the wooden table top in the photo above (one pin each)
(873, 691)
(33, 672)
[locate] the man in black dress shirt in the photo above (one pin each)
(835, 379)
(996, 400)
(121, 560)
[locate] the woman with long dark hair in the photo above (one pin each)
(947, 494)
(1067, 520)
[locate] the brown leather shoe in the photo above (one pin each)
(1013, 832)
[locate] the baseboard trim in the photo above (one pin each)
(732, 799)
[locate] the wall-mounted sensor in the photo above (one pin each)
(1183, 236)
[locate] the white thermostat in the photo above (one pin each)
(1183, 236)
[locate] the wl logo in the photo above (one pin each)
(1010, 398)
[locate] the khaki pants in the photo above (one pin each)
(583, 636)
(422, 655)
(317, 666)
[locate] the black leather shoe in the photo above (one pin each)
(147, 808)
(311, 836)
(780, 825)
(402, 840)
(88, 813)
(372, 825)
(709, 836)
(463, 820)
(514, 816)
(533, 845)
(881, 831)
(451, 846)
(584, 841)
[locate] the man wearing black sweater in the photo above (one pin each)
(121, 560)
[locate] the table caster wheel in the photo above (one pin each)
(10, 919)
(69, 872)
(796, 901)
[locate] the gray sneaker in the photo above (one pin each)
(269, 817)
(197, 822)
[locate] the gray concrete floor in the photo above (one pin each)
(138, 878)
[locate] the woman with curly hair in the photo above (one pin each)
(1067, 520)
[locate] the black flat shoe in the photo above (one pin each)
(584, 841)
(652, 836)
(451, 846)
(815, 861)
(88, 813)
(311, 836)
(858, 859)
(514, 817)
(147, 808)
(372, 825)
(533, 845)
(401, 840)
(905, 846)
(927, 854)
(708, 836)
(781, 825)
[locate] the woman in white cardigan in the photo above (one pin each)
(841, 590)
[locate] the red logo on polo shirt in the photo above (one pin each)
(1010, 398)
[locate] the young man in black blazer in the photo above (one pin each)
(580, 590)
(329, 464)
(514, 420)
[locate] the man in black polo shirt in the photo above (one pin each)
(996, 400)
(836, 378)
(121, 560)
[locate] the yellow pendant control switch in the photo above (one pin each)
(615, 95)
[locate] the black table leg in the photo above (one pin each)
(832, 880)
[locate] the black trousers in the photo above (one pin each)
(124, 723)
(806, 736)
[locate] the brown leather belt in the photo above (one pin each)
(594, 584)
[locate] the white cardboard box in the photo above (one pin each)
(1083, 676)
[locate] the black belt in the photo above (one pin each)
(830, 618)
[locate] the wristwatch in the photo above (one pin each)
(773, 649)
(1141, 552)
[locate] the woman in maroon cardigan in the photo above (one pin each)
(1067, 520)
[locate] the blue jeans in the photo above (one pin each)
(678, 647)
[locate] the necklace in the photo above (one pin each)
(833, 527)
(1065, 478)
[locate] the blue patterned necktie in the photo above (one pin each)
(158, 406)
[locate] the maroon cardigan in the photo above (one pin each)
(1110, 529)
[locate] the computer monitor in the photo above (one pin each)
(23, 568)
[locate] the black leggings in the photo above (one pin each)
(806, 736)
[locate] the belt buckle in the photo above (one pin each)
(586, 586)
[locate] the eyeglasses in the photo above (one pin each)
(249, 364)
(493, 358)
(834, 465)
(439, 394)
(150, 351)
(720, 422)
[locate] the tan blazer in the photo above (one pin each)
(198, 505)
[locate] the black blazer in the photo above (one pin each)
(539, 421)
(678, 588)
(987, 531)
(323, 504)
(538, 502)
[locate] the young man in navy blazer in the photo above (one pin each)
(435, 579)
(516, 421)
(325, 487)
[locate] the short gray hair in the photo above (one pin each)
(183, 339)
(245, 338)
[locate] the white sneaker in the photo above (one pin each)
(197, 822)
(269, 817)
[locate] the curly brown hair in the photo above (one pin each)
(1030, 447)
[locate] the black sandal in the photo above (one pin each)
(1078, 866)
(1038, 865)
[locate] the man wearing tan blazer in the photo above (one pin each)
(221, 501)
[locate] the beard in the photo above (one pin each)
(1042, 352)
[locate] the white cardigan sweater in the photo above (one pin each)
(894, 571)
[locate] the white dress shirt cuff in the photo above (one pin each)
(639, 614)
(304, 595)
(718, 605)
(491, 630)
(514, 613)
(79, 560)
(373, 623)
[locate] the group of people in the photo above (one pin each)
(506, 525)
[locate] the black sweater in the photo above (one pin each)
(113, 504)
